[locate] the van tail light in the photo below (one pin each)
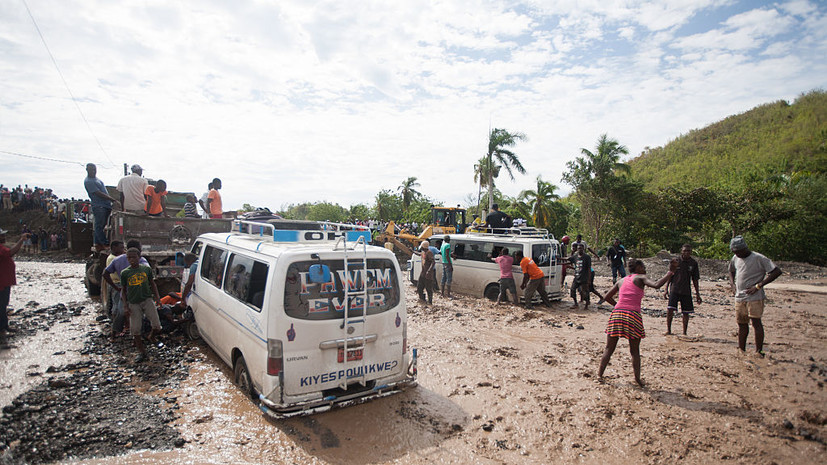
(405, 337)
(275, 357)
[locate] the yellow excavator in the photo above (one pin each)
(444, 220)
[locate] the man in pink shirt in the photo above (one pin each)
(506, 261)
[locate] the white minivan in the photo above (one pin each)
(307, 314)
(476, 274)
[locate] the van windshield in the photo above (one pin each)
(326, 301)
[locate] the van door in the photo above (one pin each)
(209, 293)
(314, 332)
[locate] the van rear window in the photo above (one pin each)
(326, 301)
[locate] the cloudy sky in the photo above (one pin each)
(292, 101)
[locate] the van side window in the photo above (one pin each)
(212, 268)
(246, 279)
(478, 251)
(541, 254)
(499, 247)
(459, 250)
(196, 248)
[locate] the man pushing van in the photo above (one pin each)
(138, 291)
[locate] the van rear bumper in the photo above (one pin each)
(280, 412)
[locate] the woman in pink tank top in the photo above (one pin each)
(626, 320)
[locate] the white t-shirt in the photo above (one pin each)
(749, 271)
(133, 187)
(205, 213)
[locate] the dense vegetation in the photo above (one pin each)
(761, 174)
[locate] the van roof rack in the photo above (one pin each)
(302, 231)
(514, 232)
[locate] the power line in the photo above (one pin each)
(74, 100)
(42, 158)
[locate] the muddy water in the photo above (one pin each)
(27, 358)
(506, 385)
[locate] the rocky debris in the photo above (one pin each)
(91, 408)
(32, 318)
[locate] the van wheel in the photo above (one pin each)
(492, 292)
(242, 378)
(191, 329)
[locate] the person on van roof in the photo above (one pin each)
(497, 220)
(533, 280)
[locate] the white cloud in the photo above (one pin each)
(293, 101)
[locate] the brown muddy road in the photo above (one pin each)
(497, 385)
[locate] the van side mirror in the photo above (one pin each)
(319, 274)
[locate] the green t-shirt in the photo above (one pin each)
(137, 282)
(445, 251)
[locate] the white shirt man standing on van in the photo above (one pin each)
(749, 272)
(447, 265)
(131, 189)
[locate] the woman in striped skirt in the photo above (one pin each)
(626, 320)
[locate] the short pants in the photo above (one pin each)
(749, 309)
(686, 303)
(138, 311)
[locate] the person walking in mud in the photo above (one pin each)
(616, 258)
(533, 280)
(115, 302)
(505, 262)
(138, 291)
(114, 268)
(749, 272)
(582, 264)
(678, 289)
(447, 254)
(427, 276)
(8, 278)
(626, 320)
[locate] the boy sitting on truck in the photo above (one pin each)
(138, 291)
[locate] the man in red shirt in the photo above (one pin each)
(533, 279)
(7, 278)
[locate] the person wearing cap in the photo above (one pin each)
(7, 277)
(101, 205)
(427, 276)
(131, 189)
(749, 272)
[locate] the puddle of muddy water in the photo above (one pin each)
(26, 357)
(220, 425)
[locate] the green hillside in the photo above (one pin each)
(775, 137)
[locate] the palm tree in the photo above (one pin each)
(482, 171)
(409, 194)
(498, 155)
(606, 160)
(540, 200)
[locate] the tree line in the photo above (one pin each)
(760, 174)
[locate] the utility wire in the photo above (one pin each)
(42, 158)
(74, 100)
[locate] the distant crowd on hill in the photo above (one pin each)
(51, 236)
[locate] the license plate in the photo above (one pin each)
(351, 356)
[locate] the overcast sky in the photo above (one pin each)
(292, 101)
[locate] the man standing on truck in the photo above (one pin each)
(101, 205)
(138, 291)
(131, 189)
(156, 203)
(214, 200)
(203, 201)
